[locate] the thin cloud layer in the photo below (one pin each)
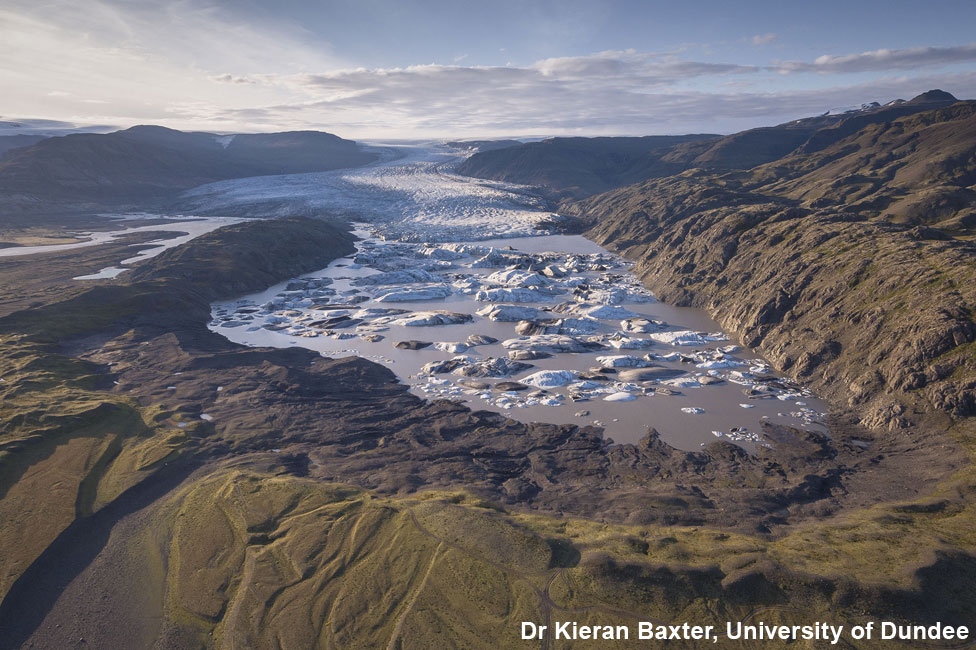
(884, 60)
(200, 64)
(763, 39)
(606, 93)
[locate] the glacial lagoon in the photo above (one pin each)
(550, 328)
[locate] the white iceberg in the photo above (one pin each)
(412, 294)
(509, 313)
(549, 378)
(622, 361)
(687, 337)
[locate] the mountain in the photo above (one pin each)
(153, 162)
(482, 145)
(852, 268)
(917, 170)
(576, 167)
(579, 167)
(8, 142)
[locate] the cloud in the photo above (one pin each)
(227, 78)
(883, 60)
(638, 67)
(49, 127)
(763, 39)
(196, 64)
(435, 101)
(137, 58)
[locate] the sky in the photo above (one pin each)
(395, 69)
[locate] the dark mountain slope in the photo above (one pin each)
(919, 170)
(8, 142)
(152, 162)
(482, 145)
(806, 259)
(856, 121)
(579, 167)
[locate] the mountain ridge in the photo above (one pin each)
(850, 268)
(558, 177)
(152, 163)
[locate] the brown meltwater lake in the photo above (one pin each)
(598, 333)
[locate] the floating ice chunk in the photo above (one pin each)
(719, 363)
(629, 343)
(692, 410)
(555, 271)
(494, 367)
(687, 337)
(739, 377)
(516, 278)
(586, 385)
(468, 286)
(432, 318)
(682, 382)
(442, 253)
(376, 312)
(642, 325)
(553, 343)
(549, 378)
(404, 276)
(649, 374)
(620, 397)
(445, 365)
(577, 325)
(558, 326)
(512, 294)
(497, 259)
(420, 293)
(509, 313)
(452, 347)
(615, 312)
(480, 339)
(622, 361)
(615, 296)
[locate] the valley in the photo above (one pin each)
(225, 443)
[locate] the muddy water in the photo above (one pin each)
(722, 409)
(187, 228)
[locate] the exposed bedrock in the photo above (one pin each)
(874, 316)
(842, 290)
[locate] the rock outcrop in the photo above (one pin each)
(845, 280)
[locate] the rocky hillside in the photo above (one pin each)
(851, 267)
(579, 167)
(152, 162)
